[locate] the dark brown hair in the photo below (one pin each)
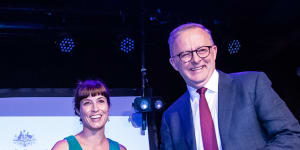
(87, 88)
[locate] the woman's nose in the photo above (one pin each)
(95, 108)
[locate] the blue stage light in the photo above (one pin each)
(158, 104)
(142, 104)
(67, 44)
(147, 104)
(234, 46)
(127, 45)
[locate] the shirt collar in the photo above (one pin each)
(211, 85)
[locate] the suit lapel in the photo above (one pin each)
(187, 122)
(226, 101)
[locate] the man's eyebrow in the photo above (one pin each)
(102, 97)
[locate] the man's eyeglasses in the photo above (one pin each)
(187, 56)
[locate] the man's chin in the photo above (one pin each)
(197, 84)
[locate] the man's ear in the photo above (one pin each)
(215, 49)
(173, 63)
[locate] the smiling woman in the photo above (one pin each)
(91, 104)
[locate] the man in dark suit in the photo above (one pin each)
(222, 111)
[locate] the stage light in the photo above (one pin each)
(158, 104)
(66, 45)
(142, 104)
(147, 104)
(65, 42)
(234, 46)
(127, 45)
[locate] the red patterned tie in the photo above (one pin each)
(207, 124)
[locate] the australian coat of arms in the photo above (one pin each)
(24, 138)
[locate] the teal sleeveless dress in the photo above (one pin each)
(74, 144)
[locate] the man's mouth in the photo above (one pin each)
(198, 68)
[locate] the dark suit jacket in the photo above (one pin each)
(250, 114)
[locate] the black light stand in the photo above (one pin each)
(152, 133)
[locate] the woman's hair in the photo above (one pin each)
(89, 87)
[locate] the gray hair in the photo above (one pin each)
(174, 34)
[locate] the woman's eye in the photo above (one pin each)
(101, 101)
(86, 103)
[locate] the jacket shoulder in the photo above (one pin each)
(246, 74)
(250, 77)
(177, 105)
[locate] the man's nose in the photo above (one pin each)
(195, 57)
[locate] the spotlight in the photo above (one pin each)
(65, 42)
(66, 45)
(127, 45)
(234, 46)
(158, 104)
(142, 104)
(147, 104)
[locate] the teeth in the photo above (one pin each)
(95, 116)
(197, 68)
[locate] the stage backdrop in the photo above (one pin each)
(37, 123)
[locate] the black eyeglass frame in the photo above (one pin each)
(192, 53)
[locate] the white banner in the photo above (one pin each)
(36, 123)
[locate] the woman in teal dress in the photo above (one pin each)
(91, 104)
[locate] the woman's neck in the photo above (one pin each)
(91, 137)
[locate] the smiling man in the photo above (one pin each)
(220, 111)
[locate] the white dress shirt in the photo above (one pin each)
(211, 96)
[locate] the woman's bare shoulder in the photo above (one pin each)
(61, 145)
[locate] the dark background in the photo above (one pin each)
(268, 32)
